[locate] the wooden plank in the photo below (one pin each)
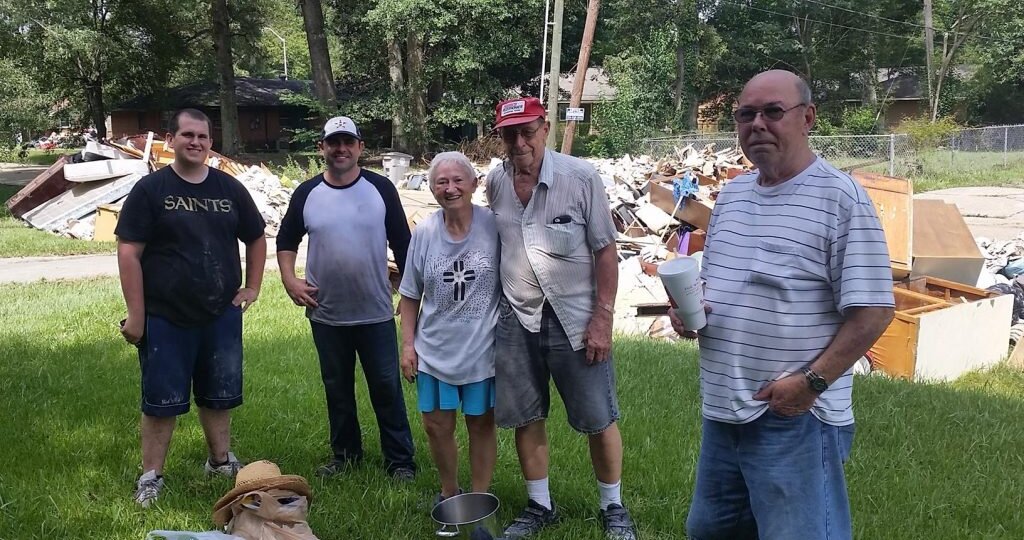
(696, 213)
(45, 186)
(893, 199)
(944, 354)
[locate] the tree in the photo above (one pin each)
(220, 23)
(76, 49)
(319, 55)
(448, 62)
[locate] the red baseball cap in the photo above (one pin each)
(517, 111)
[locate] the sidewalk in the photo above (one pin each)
(31, 269)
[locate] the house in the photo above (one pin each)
(265, 120)
(904, 92)
(596, 88)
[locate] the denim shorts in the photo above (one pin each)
(206, 360)
(525, 362)
(432, 394)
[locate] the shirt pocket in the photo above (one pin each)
(783, 265)
(563, 238)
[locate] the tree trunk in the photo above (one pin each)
(680, 86)
(319, 54)
(395, 72)
(417, 94)
(94, 98)
(221, 26)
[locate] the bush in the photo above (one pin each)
(860, 121)
(927, 135)
(12, 154)
(296, 171)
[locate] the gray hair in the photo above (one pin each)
(804, 91)
(444, 158)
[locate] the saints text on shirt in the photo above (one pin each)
(193, 204)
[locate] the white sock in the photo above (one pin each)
(610, 493)
(537, 490)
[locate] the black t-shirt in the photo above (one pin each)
(191, 268)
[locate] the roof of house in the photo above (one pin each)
(596, 88)
(249, 92)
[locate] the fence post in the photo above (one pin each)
(1006, 143)
(892, 154)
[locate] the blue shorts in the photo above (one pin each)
(476, 398)
(206, 360)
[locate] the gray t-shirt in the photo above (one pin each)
(457, 284)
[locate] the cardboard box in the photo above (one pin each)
(943, 244)
(894, 202)
(927, 338)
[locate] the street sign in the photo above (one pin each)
(574, 114)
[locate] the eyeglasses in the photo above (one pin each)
(511, 134)
(773, 113)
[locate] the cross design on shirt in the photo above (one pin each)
(459, 276)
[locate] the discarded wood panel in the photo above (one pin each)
(92, 171)
(949, 291)
(894, 202)
(696, 213)
(652, 309)
(47, 185)
(943, 244)
(925, 339)
(1016, 358)
(80, 201)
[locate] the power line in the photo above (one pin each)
(865, 30)
(837, 25)
(907, 23)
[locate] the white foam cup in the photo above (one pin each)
(681, 277)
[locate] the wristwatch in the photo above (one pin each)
(815, 381)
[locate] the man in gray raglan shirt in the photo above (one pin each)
(798, 288)
(351, 216)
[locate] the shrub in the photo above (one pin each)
(925, 134)
(860, 121)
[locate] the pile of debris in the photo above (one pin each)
(661, 208)
(80, 196)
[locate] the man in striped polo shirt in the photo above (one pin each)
(798, 288)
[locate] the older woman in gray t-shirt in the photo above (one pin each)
(449, 310)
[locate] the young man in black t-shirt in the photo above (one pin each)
(181, 276)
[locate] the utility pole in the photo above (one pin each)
(929, 48)
(593, 6)
(544, 48)
(553, 75)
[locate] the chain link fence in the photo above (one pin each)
(971, 149)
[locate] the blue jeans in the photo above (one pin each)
(377, 345)
(774, 478)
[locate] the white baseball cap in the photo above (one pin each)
(341, 125)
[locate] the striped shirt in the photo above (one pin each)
(547, 248)
(782, 263)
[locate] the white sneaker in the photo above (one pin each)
(148, 488)
(229, 469)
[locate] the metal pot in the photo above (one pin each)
(470, 516)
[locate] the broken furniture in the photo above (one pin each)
(943, 244)
(928, 338)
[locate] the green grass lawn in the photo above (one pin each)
(17, 239)
(929, 461)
